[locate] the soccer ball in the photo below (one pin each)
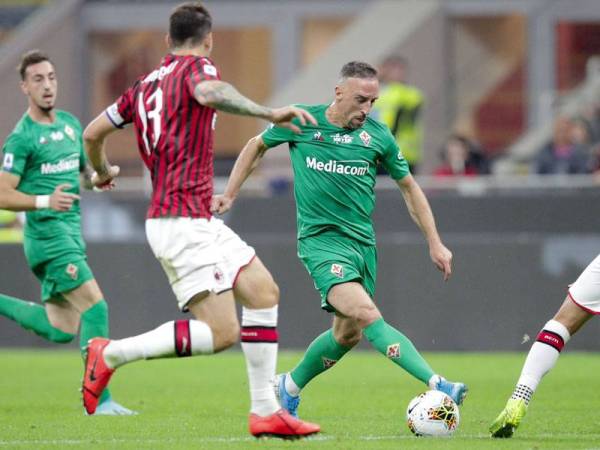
(432, 413)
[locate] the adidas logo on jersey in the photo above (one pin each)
(356, 167)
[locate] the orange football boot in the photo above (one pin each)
(97, 374)
(281, 425)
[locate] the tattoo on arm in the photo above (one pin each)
(224, 97)
(87, 177)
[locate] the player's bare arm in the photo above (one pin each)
(421, 213)
(246, 162)
(94, 138)
(14, 200)
(86, 177)
(223, 96)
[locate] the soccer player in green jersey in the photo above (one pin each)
(42, 162)
(334, 164)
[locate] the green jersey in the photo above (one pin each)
(44, 156)
(334, 173)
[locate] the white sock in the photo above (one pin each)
(291, 387)
(434, 380)
(541, 358)
(259, 343)
(174, 338)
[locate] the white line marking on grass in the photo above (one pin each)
(319, 438)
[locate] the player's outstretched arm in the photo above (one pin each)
(86, 178)
(14, 200)
(223, 96)
(94, 138)
(246, 162)
(421, 213)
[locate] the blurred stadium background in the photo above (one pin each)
(505, 74)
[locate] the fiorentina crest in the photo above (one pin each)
(365, 137)
(72, 271)
(393, 351)
(337, 270)
(70, 132)
(327, 363)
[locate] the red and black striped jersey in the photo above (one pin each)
(174, 134)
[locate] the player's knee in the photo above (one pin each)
(225, 335)
(367, 314)
(348, 338)
(272, 294)
(266, 296)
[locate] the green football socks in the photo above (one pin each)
(94, 323)
(398, 348)
(33, 317)
(321, 354)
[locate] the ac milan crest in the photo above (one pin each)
(219, 277)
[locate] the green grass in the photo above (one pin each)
(202, 403)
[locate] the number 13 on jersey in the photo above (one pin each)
(149, 113)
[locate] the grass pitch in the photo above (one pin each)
(201, 403)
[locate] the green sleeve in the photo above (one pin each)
(275, 135)
(16, 150)
(393, 160)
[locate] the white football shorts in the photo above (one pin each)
(198, 255)
(585, 292)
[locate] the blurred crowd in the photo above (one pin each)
(462, 156)
(575, 145)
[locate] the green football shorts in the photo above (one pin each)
(59, 263)
(334, 259)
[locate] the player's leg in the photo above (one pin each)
(67, 277)
(214, 329)
(40, 254)
(352, 301)
(258, 294)
(92, 316)
(329, 260)
(34, 317)
(187, 252)
(210, 332)
(322, 354)
(88, 301)
(541, 358)
(550, 341)
(581, 303)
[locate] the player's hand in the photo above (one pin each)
(442, 258)
(60, 200)
(283, 117)
(105, 181)
(220, 204)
